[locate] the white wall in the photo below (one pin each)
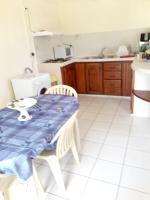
(14, 50)
(88, 16)
(43, 15)
(84, 16)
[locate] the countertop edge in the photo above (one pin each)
(81, 60)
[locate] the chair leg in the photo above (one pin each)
(6, 195)
(55, 167)
(75, 153)
(77, 135)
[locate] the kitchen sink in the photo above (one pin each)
(93, 57)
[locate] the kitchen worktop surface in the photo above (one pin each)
(54, 68)
(90, 59)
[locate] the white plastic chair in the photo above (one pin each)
(6, 182)
(62, 89)
(67, 90)
(65, 142)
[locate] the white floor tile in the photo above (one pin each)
(140, 132)
(121, 132)
(104, 118)
(90, 148)
(141, 122)
(84, 123)
(95, 136)
(75, 185)
(106, 171)
(84, 168)
(53, 197)
(107, 110)
(112, 153)
(98, 190)
(120, 127)
(138, 159)
(88, 115)
(124, 120)
(116, 140)
(95, 108)
(139, 143)
(126, 194)
(84, 126)
(101, 126)
(123, 110)
(137, 179)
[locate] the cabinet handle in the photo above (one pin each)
(111, 76)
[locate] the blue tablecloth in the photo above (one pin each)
(20, 142)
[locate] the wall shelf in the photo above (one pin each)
(46, 33)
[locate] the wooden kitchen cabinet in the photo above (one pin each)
(80, 78)
(109, 78)
(94, 78)
(126, 78)
(69, 75)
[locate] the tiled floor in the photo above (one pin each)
(114, 156)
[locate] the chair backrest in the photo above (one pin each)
(62, 89)
(66, 137)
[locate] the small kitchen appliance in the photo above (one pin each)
(63, 51)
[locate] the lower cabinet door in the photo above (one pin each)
(94, 79)
(69, 75)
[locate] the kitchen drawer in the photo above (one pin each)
(112, 91)
(112, 87)
(112, 66)
(112, 75)
(112, 83)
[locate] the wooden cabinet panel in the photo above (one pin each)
(69, 75)
(112, 83)
(126, 78)
(112, 87)
(112, 66)
(112, 75)
(80, 78)
(94, 78)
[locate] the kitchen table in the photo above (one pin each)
(21, 141)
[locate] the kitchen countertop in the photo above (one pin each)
(115, 59)
(54, 68)
(141, 66)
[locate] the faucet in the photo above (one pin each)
(27, 69)
(103, 52)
